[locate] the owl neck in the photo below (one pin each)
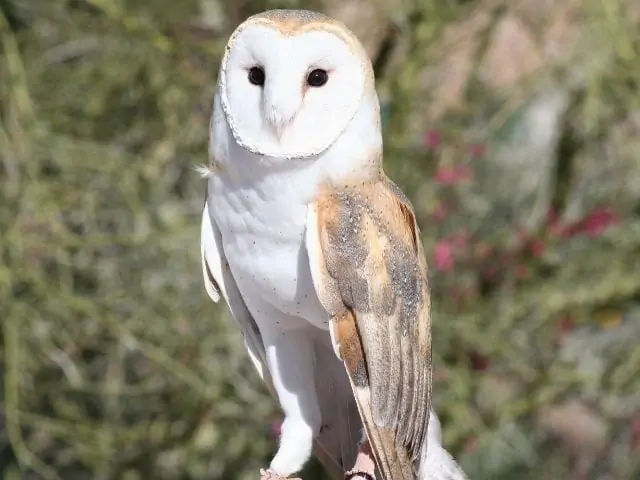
(355, 156)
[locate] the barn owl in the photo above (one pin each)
(317, 253)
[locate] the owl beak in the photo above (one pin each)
(280, 120)
(281, 110)
(279, 129)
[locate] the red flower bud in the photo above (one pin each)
(453, 175)
(443, 253)
(477, 150)
(432, 139)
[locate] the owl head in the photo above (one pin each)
(291, 82)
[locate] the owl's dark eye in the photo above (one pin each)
(256, 76)
(317, 78)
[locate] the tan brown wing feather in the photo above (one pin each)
(371, 275)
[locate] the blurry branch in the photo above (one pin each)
(17, 78)
(61, 429)
(133, 24)
(421, 27)
(613, 11)
(158, 356)
(18, 112)
(11, 169)
(386, 49)
(131, 342)
(69, 51)
(12, 401)
(136, 25)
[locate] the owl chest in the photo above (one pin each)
(264, 243)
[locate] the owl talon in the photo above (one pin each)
(365, 467)
(269, 475)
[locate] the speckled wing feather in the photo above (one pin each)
(370, 274)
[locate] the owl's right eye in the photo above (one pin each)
(256, 76)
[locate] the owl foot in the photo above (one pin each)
(365, 467)
(269, 475)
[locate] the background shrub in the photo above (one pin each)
(513, 126)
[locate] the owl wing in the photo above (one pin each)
(370, 274)
(329, 447)
(219, 282)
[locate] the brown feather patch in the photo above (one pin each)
(351, 348)
(373, 279)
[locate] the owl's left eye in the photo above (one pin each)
(256, 76)
(317, 78)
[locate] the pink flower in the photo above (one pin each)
(432, 139)
(477, 150)
(536, 247)
(594, 224)
(598, 221)
(443, 253)
(453, 175)
(276, 428)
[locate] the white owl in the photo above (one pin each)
(318, 254)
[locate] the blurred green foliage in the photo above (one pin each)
(117, 365)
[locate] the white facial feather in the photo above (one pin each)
(286, 117)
